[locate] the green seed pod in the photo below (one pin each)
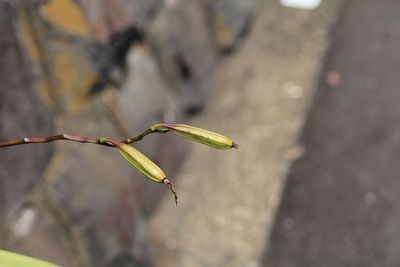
(141, 162)
(138, 160)
(202, 136)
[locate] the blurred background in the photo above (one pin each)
(308, 90)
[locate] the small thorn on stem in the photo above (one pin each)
(234, 145)
(171, 187)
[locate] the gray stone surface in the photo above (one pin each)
(232, 19)
(96, 201)
(260, 98)
(22, 114)
(105, 18)
(34, 232)
(341, 203)
(184, 42)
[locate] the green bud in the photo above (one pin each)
(200, 135)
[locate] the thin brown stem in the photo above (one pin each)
(69, 137)
(171, 187)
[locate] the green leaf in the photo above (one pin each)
(10, 259)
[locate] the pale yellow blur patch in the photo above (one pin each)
(74, 75)
(66, 15)
(64, 72)
(223, 32)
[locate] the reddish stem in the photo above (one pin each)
(69, 137)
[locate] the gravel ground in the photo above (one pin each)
(228, 199)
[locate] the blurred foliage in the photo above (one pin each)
(9, 259)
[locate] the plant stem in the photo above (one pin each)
(69, 137)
